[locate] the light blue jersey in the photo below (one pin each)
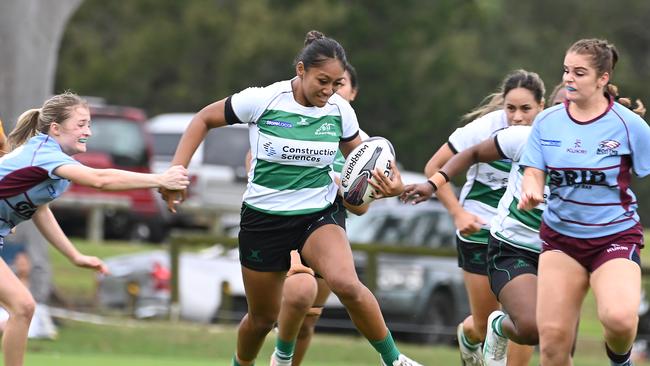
(27, 179)
(588, 165)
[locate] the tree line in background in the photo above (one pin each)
(421, 64)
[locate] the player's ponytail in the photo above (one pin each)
(491, 103)
(635, 106)
(25, 128)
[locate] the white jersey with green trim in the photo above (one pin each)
(292, 147)
(512, 226)
(486, 182)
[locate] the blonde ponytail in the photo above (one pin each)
(26, 127)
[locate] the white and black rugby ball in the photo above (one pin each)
(375, 152)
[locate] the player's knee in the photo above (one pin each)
(555, 341)
(261, 323)
(620, 322)
(527, 332)
(347, 290)
(22, 307)
(298, 301)
(299, 292)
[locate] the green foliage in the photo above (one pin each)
(421, 64)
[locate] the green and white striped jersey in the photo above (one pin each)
(486, 182)
(517, 228)
(293, 148)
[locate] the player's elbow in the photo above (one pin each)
(99, 180)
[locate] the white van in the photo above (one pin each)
(217, 169)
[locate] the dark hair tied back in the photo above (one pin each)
(320, 49)
(635, 106)
(312, 36)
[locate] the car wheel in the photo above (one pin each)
(143, 231)
(439, 318)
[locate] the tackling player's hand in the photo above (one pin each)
(297, 266)
(417, 193)
(172, 197)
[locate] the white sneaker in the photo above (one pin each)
(468, 356)
(494, 347)
(402, 361)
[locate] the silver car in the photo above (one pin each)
(140, 283)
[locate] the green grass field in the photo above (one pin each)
(157, 343)
(163, 343)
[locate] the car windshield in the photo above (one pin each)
(226, 146)
(164, 144)
(122, 139)
(406, 225)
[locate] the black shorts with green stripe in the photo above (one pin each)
(265, 240)
(472, 257)
(505, 262)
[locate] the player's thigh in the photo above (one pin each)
(562, 283)
(263, 292)
(328, 252)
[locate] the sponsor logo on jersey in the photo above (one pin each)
(553, 143)
(608, 147)
(268, 148)
(303, 121)
(326, 129)
(281, 124)
(305, 153)
(577, 148)
(25, 209)
(576, 177)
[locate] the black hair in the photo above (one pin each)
(354, 82)
(516, 79)
(319, 49)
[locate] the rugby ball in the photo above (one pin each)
(375, 152)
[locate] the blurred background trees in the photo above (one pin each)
(421, 64)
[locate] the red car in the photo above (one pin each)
(119, 140)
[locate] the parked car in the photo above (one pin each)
(119, 140)
(140, 283)
(217, 169)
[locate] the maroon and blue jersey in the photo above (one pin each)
(27, 179)
(588, 166)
